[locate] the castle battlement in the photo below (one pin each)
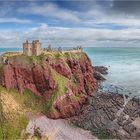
(33, 48)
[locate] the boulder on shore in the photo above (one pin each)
(101, 69)
(99, 76)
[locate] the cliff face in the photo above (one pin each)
(63, 80)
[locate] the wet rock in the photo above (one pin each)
(102, 113)
(98, 76)
(126, 96)
(101, 69)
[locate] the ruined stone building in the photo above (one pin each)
(33, 48)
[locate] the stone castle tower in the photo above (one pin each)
(33, 48)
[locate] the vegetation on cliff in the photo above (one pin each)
(13, 109)
(62, 84)
(56, 84)
(12, 117)
(61, 80)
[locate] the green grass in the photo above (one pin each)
(53, 55)
(27, 60)
(11, 127)
(28, 100)
(62, 84)
(67, 55)
(36, 59)
(61, 81)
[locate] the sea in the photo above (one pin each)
(123, 65)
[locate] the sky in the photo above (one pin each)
(90, 23)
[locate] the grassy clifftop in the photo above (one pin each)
(21, 58)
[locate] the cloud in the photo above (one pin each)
(50, 10)
(131, 7)
(8, 13)
(87, 25)
(96, 14)
(14, 20)
(113, 21)
(70, 37)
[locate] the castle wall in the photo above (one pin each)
(33, 48)
(37, 50)
(24, 48)
(27, 49)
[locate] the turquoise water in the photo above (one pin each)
(123, 64)
(2, 50)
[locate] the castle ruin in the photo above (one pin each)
(33, 48)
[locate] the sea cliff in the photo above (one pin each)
(62, 80)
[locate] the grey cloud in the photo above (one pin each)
(126, 7)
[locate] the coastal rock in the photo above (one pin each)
(98, 76)
(101, 69)
(106, 111)
(68, 105)
(63, 81)
(61, 67)
(102, 108)
(35, 78)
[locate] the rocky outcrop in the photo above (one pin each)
(99, 76)
(107, 111)
(36, 78)
(101, 69)
(63, 81)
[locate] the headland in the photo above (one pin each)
(64, 84)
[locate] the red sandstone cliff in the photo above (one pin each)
(64, 81)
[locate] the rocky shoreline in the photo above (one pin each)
(110, 115)
(69, 87)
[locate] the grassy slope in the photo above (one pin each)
(62, 84)
(13, 107)
(12, 118)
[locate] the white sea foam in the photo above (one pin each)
(124, 65)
